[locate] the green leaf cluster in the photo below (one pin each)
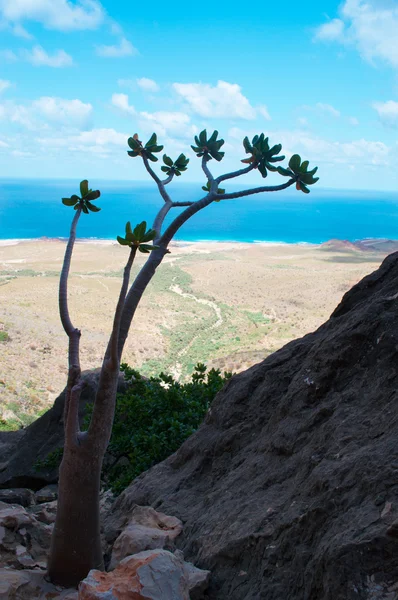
(210, 148)
(153, 418)
(149, 150)
(175, 167)
(84, 201)
(138, 237)
(299, 171)
(206, 188)
(262, 156)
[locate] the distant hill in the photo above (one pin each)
(366, 245)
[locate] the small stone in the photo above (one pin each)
(47, 494)
(386, 510)
(147, 530)
(21, 496)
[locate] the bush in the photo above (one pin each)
(152, 419)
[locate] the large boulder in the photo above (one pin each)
(39, 439)
(290, 487)
(150, 575)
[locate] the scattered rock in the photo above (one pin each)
(150, 575)
(24, 541)
(31, 585)
(146, 530)
(21, 496)
(46, 512)
(47, 494)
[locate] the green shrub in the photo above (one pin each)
(152, 419)
(4, 337)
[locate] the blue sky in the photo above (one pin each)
(77, 78)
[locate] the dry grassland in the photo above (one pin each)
(228, 305)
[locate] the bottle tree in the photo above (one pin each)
(76, 546)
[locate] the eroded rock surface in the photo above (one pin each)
(289, 490)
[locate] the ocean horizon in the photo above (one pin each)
(32, 209)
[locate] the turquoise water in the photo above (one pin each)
(32, 209)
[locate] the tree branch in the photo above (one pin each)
(259, 190)
(71, 425)
(178, 204)
(168, 179)
(158, 181)
(160, 217)
(206, 169)
(114, 340)
(184, 216)
(235, 173)
(63, 282)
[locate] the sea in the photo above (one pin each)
(31, 209)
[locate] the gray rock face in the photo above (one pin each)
(39, 439)
(289, 490)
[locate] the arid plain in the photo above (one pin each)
(228, 305)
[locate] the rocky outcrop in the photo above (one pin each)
(289, 490)
(24, 449)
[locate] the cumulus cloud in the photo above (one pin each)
(388, 112)
(38, 57)
(360, 152)
(333, 30)
(148, 85)
(175, 124)
(370, 25)
(97, 141)
(49, 112)
(121, 102)
(124, 48)
(4, 85)
(60, 15)
(224, 101)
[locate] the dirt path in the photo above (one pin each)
(176, 371)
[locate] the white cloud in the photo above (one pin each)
(72, 113)
(124, 48)
(353, 121)
(333, 30)
(61, 15)
(370, 25)
(121, 102)
(48, 112)
(177, 124)
(327, 109)
(148, 85)
(3, 144)
(323, 109)
(225, 100)
(38, 57)
(21, 32)
(8, 55)
(4, 85)
(388, 112)
(97, 141)
(317, 150)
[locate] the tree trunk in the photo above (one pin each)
(76, 543)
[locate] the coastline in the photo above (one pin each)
(174, 243)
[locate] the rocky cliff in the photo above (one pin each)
(289, 490)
